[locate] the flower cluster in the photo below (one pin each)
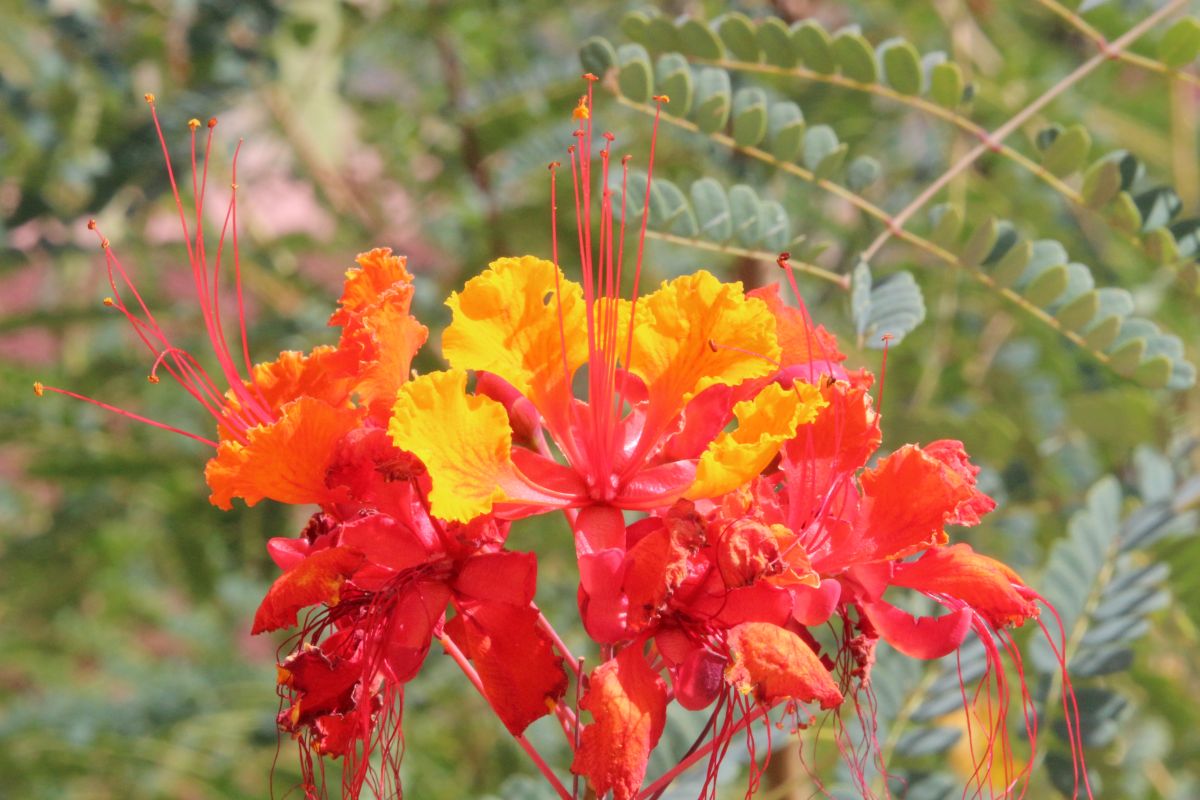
(708, 448)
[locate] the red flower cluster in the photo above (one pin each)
(714, 472)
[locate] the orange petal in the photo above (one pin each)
(628, 701)
(764, 424)
(908, 499)
(799, 342)
(387, 339)
(316, 579)
(985, 584)
(284, 461)
(325, 373)
(507, 321)
(522, 677)
(655, 567)
(380, 277)
(776, 664)
(696, 332)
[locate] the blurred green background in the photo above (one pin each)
(126, 665)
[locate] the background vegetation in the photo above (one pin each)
(125, 599)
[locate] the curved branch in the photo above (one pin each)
(870, 209)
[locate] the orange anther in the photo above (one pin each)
(38, 389)
(193, 123)
(233, 186)
(554, 165)
(212, 122)
(581, 111)
(783, 259)
(587, 76)
(152, 378)
(104, 244)
(108, 301)
(661, 98)
(149, 97)
(91, 224)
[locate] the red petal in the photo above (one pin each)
(776, 664)
(657, 487)
(953, 455)
(503, 577)
(522, 677)
(983, 583)
(317, 579)
(918, 637)
(813, 606)
(654, 568)
(319, 684)
(628, 701)
(416, 618)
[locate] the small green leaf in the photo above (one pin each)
(1102, 332)
(1047, 286)
(1160, 246)
(1181, 43)
(1101, 182)
(714, 98)
(636, 25)
(597, 55)
(1124, 213)
(980, 243)
(1125, 359)
(774, 226)
(815, 46)
(862, 172)
(1068, 152)
(674, 79)
(819, 142)
(785, 129)
(1154, 372)
(737, 32)
(661, 35)
(947, 221)
(749, 116)
(635, 78)
(901, 65)
(1009, 269)
(744, 209)
(1079, 312)
(712, 210)
(698, 40)
(855, 56)
(946, 84)
(895, 308)
(775, 41)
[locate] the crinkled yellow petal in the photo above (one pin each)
(765, 422)
(695, 332)
(463, 440)
(506, 321)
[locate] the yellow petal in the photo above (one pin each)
(765, 422)
(463, 440)
(695, 332)
(506, 321)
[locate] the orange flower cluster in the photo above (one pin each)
(709, 450)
